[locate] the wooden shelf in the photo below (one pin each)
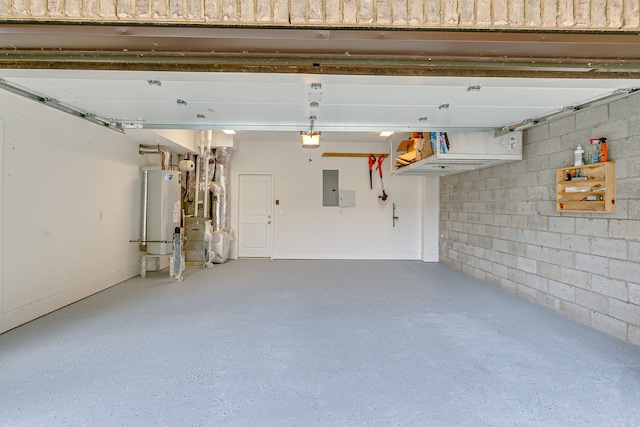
(591, 189)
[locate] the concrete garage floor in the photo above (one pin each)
(304, 343)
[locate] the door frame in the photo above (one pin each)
(273, 216)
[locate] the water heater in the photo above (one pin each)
(163, 209)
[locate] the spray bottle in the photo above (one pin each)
(577, 156)
(604, 155)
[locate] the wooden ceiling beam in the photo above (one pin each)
(321, 51)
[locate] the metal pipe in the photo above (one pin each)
(197, 195)
(216, 190)
(209, 138)
(222, 175)
(165, 155)
(145, 208)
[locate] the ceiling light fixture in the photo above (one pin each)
(229, 131)
(386, 133)
(310, 139)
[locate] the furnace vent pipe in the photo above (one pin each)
(223, 160)
(199, 165)
(165, 155)
(216, 189)
(145, 209)
(209, 138)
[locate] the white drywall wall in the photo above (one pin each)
(1, 216)
(307, 230)
(71, 204)
(187, 139)
(430, 218)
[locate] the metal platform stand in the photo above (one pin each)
(156, 258)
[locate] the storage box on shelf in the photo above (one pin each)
(445, 153)
(413, 149)
(592, 188)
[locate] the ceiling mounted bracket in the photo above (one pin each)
(55, 104)
(568, 110)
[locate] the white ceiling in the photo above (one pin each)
(350, 108)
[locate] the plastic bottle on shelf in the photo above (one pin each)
(604, 155)
(577, 156)
(593, 155)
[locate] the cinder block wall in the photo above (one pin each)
(465, 14)
(500, 224)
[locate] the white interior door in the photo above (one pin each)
(255, 209)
